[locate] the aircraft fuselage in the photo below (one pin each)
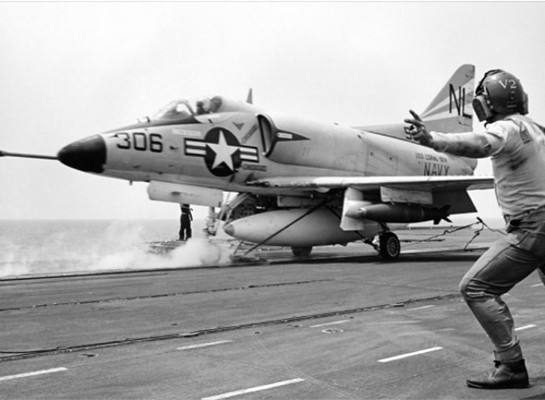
(224, 151)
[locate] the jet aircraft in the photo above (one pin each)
(299, 183)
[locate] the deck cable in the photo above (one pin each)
(446, 232)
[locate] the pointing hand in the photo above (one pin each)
(417, 130)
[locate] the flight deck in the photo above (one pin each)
(341, 324)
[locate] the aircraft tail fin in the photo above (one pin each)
(451, 110)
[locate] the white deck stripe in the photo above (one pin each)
(330, 323)
(45, 371)
(420, 308)
(252, 390)
(384, 360)
(198, 346)
(525, 327)
(537, 285)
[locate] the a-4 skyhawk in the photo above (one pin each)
(300, 183)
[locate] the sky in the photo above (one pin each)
(71, 70)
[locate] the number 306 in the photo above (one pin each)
(140, 141)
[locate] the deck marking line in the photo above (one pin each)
(45, 371)
(330, 323)
(525, 327)
(537, 285)
(384, 360)
(420, 308)
(253, 390)
(201, 345)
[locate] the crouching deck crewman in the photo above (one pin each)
(516, 145)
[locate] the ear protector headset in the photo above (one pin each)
(499, 92)
(481, 102)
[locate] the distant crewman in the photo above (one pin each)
(516, 145)
(185, 222)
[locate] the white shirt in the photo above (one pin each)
(518, 164)
(517, 147)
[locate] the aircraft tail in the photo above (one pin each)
(451, 110)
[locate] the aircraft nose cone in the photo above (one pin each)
(88, 155)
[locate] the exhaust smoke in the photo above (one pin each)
(117, 245)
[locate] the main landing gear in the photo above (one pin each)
(389, 247)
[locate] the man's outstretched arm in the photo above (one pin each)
(468, 144)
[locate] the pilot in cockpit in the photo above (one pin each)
(208, 106)
(202, 107)
(180, 109)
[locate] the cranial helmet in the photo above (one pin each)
(499, 92)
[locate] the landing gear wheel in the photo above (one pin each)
(301, 252)
(389, 245)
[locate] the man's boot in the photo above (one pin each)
(507, 375)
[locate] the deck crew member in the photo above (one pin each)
(516, 145)
(185, 222)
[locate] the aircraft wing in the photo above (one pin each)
(371, 183)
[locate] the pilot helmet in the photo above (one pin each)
(499, 92)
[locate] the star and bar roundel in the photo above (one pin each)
(221, 150)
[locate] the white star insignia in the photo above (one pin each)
(223, 152)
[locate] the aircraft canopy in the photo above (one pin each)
(182, 108)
